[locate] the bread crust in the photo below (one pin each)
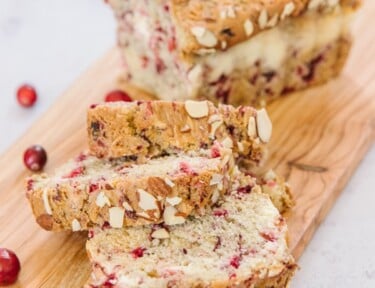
(76, 201)
(150, 128)
(225, 23)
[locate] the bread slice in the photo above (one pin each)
(245, 52)
(143, 129)
(88, 191)
(241, 243)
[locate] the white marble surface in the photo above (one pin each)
(49, 43)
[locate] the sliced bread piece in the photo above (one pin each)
(143, 129)
(241, 243)
(89, 192)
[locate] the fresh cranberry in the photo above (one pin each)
(235, 261)
(9, 267)
(93, 187)
(75, 172)
(215, 152)
(220, 212)
(26, 95)
(269, 236)
(117, 95)
(138, 252)
(92, 106)
(35, 157)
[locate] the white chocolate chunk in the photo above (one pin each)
(146, 200)
(313, 4)
(264, 125)
(116, 217)
(160, 234)
(76, 226)
(196, 109)
(102, 200)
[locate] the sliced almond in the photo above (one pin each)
(146, 200)
(252, 128)
(160, 234)
(47, 207)
(196, 109)
(248, 27)
(288, 10)
(215, 196)
(264, 125)
(214, 118)
(170, 217)
(204, 37)
(116, 217)
(169, 182)
(273, 21)
(313, 4)
(263, 19)
(102, 200)
(127, 206)
(173, 200)
(186, 128)
(214, 127)
(76, 226)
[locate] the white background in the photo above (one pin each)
(49, 43)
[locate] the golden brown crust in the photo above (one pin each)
(203, 25)
(145, 129)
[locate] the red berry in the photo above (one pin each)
(26, 95)
(9, 267)
(35, 157)
(138, 252)
(235, 262)
(117, 95)
(220, 212)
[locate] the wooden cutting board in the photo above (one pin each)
(320, 136)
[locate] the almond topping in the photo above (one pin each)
(288, 10)
(116, 217)
(263, 19)
(160, 234)
(102, 200)
(146, 200)
(196, 109)
(214, 127)
(169, 182)
(173, 200)
(186, 128)
(240, 146)
(216, 179)
(264, 125)
(249, 27)
(76, 226)
(47, 207)
(215, 196)
(204, 37)
(251, 128)
(127, 206)
(170, 217)
(273, 21)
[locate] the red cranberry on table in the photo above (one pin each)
(26, 95)
(9, 267)
(117, 95)
(35, 157)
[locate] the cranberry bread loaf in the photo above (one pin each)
(89, 192)
(238, 52)
(144, 129)
(242, 243)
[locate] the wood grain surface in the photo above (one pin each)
(320, 136)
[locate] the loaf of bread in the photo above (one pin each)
(237, 52)
(88, 191)
(241, 243)
(144, 129)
